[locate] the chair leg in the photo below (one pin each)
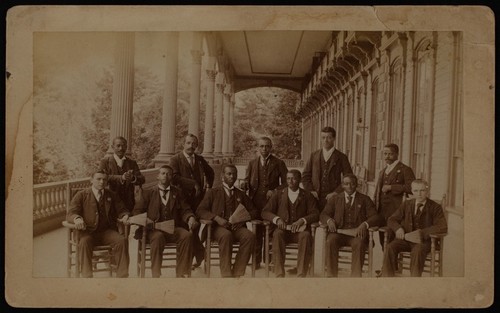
(311, 268)
(254, 230)
(266, 249)
(370, 254)
(325, 234)
(208, 247)
(77, 254)
(143, 253)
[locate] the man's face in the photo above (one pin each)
(389, 155)
(327, 140)
(293, 181)
(229, 176)
(119, 147)
(349, 185)
(190, 145)
(165, 176)
(99, 181)
(420, 192)
(265, 147)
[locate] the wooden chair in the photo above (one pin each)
(212, 247)
(434, 261)
(169, 258)
(291, 253)
(345, 254)
(102, 255)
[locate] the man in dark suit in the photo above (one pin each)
(348, 210)
(265, 174)
(295, 206)
(419, 214)
(95, 211)
(165, 202)
(123, 173)
(218, 205)
(393, 183)
(193, 175)
(323, 170)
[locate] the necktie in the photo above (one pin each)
(349, 203)
(101, 195)
(164, 195)
(419, 208)
(191, 160)
(230, 190)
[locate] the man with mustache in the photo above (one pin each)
(194, 176)
(265, 174)
(123, 173)
(393, 183)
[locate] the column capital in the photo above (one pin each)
(196, 56)
(227, 89)
(220, 88)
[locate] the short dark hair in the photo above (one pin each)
(351, 176)
(295, 173)
(191, 135)
(266, 138)
(121, 138)
(98, 171)
(422, 182)
(226, 165)
(329, 129)
(167, 167)
(394, 147)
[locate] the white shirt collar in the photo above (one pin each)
(162, 188)
(346, 195)
(187, 155)
(390, 167)
(96, 192)
(118, 160)
(227, 188)
(264, 160)
(293, 195)
(327, 153)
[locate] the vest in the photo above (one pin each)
(102, 221)
(349, 218)
(292, 211)
(325, 187)
(229, 205)
(263, 177)
(418, 220)
(165, 213)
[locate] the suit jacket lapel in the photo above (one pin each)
(107, 204)
(113, 165)
(272, 164)
(284, 204)
(392, 174)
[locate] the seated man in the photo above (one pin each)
(298, 207)
(218, 205)
(95, 211)
(162, 203)
(348, 210)
(419, 214)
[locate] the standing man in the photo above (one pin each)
(123, 173)
(419, 214)
(194, 176)
(218, 205)
(348, 210)
(296, 207)
(323, 170)
(95, 211)
(393, 182)
(162, 203)
(265, 174)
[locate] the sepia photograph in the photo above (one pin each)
(296, 152)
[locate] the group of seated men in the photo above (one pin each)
(269, 192)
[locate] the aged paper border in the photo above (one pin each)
(475, 289)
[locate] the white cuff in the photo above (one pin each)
(275, 220)
(367, 225)
(305, 222)
(78, 217)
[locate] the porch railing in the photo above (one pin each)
(290, 163)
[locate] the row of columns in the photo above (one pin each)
(219, 98)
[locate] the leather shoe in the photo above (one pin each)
(292, 271)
